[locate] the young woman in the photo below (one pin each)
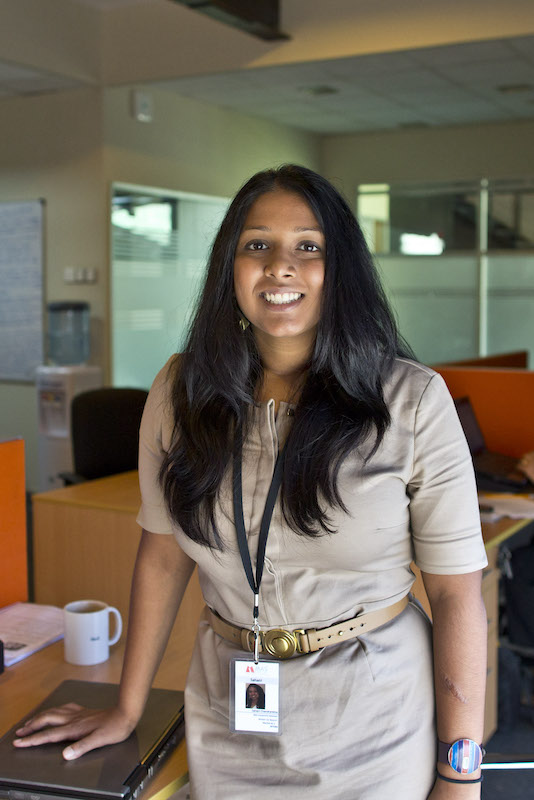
(294, 350)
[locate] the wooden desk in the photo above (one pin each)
(26, 684)
(85, 540)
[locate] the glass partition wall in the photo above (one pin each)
(457, 261)
(160, 245)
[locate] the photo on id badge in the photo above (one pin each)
(255, 697)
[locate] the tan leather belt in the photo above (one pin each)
(282, 643)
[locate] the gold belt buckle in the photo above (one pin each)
(281, 643)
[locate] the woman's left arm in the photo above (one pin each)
(460, 655)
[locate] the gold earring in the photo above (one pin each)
(243, 323)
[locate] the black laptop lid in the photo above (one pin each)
(469, 422)
(109, 773)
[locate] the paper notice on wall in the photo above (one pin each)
(21, 297)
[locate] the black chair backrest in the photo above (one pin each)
(105, 431)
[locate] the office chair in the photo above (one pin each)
(105, 432)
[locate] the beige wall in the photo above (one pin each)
(195, 147)
(498, 150)
(69, 147)
(50, 148)
(55, 35)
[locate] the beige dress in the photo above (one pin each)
(358, 717)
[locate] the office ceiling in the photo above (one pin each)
(485, 81)
(450, 85)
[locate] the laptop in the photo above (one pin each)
(115, 772)
(494, 471)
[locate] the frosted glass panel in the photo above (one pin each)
(436, 302)
(511, 304)
(156, 276)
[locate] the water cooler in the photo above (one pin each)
(67, 376)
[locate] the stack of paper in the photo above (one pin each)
(510, 505)
(28, 627)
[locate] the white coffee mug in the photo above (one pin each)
(87, 638)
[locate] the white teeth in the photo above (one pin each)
(280, 299)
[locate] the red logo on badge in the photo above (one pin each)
(249, 669)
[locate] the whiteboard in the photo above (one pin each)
(21, 290)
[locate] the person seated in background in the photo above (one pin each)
(526, 465)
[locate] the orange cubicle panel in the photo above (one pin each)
(517, 359)
(13, 559)
(503, 400)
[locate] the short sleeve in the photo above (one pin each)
(444, 514)
(156, 425)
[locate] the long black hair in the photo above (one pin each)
(215, 379)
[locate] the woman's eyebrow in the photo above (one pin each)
(296, 230)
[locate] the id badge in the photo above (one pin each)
(255, 697)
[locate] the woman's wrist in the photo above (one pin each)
(466, 779)
(463, 790)
(453, 786)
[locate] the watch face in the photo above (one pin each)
(465, 756)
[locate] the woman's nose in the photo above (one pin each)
(280, 264)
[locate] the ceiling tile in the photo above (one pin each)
(465, 113)
(523, 45)
(411, 81)
(369, 65)
(468, 53)
(493, 73)
(449, 94)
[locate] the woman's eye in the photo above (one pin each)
(309, 247)
(256, 245)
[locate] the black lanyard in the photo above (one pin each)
(254, 582)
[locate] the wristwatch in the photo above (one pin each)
(464, 756)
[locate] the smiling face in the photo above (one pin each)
(279, 269)
(253, 695)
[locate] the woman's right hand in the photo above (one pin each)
(86, 728)
(161, 574)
